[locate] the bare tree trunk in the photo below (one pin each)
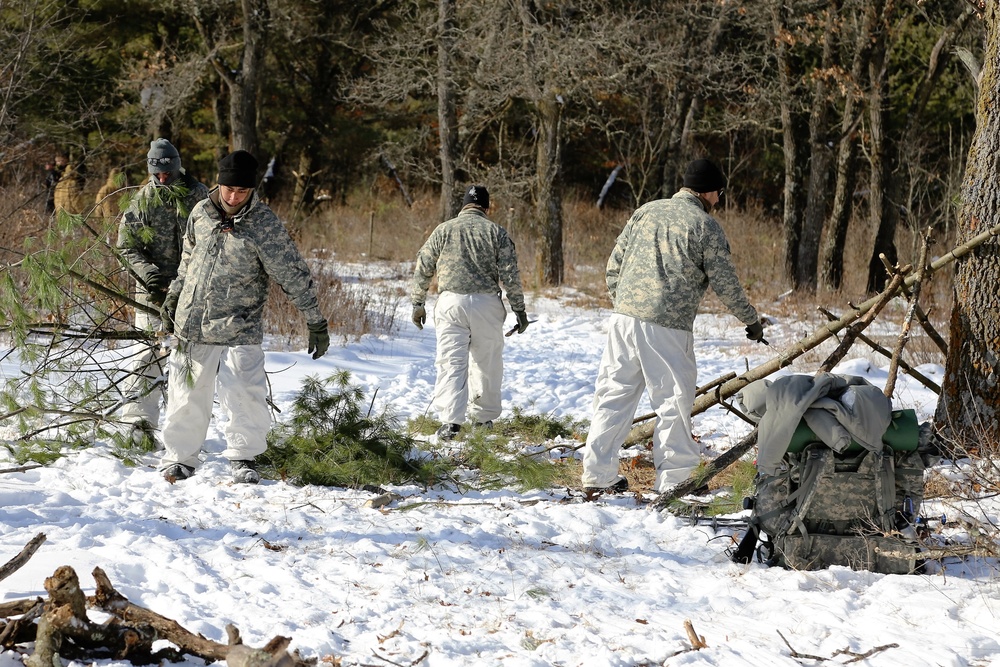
(819, 166)
(968, 409)
(447, 115)
(242, 80)
(549, 193)
(791, 221)
(843, 197)
(882, 207)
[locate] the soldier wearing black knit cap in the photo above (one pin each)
(670, 251)
(234, 247)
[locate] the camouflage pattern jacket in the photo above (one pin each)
(151, 231)
(225, 273)
(472, 255)
(670, 251)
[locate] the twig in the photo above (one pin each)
(697, 642)
(22, 469)
(796, 654)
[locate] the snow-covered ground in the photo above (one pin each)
(492, 578)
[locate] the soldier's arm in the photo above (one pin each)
(721, 272)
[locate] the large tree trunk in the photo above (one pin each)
(968, 410)
(451, 198)
(819, 166)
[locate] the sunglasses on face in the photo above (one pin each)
(157, 161)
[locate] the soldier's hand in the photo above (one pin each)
(522, 320)
(319, 339)
(755, 332)
(419, 316)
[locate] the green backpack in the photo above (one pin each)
(856, 508)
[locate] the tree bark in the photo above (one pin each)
(791, 222)
(821, 155)
(883, 208)
(843, 197)
(549, 195)
(451, 197)
(968, 410)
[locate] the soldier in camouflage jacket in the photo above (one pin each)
(234, 245)
(472, 257)
(150, 238)
(670, 251)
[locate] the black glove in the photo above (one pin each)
(167, 312)
(319, 339)
(419, 316)
(156, 287)
(755, 332)
(522, 320)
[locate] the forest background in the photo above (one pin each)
(845, 127)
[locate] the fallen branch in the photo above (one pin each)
(107, 599)
(18, 561)
(854, 330)
(706, 472)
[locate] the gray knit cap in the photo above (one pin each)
(162, 157)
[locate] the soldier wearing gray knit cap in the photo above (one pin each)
(150, 237)
(163, 162)
(670, 251)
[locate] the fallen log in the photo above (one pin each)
(107, 599)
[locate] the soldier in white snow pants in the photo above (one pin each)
(643, 356)
(469, 356)
(242, 388)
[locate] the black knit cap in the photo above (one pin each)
(703, 176)
(238, 170)
(478, 195)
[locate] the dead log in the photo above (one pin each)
(107, 599)
(65, 631)
(18, 561)
(21, 630)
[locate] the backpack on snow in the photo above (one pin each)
(856, 508)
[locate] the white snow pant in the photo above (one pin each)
(144, 369)
(469, 357)
(639, 356)
(242, 388)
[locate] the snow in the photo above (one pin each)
(483, 578)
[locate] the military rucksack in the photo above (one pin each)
(856, 508)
